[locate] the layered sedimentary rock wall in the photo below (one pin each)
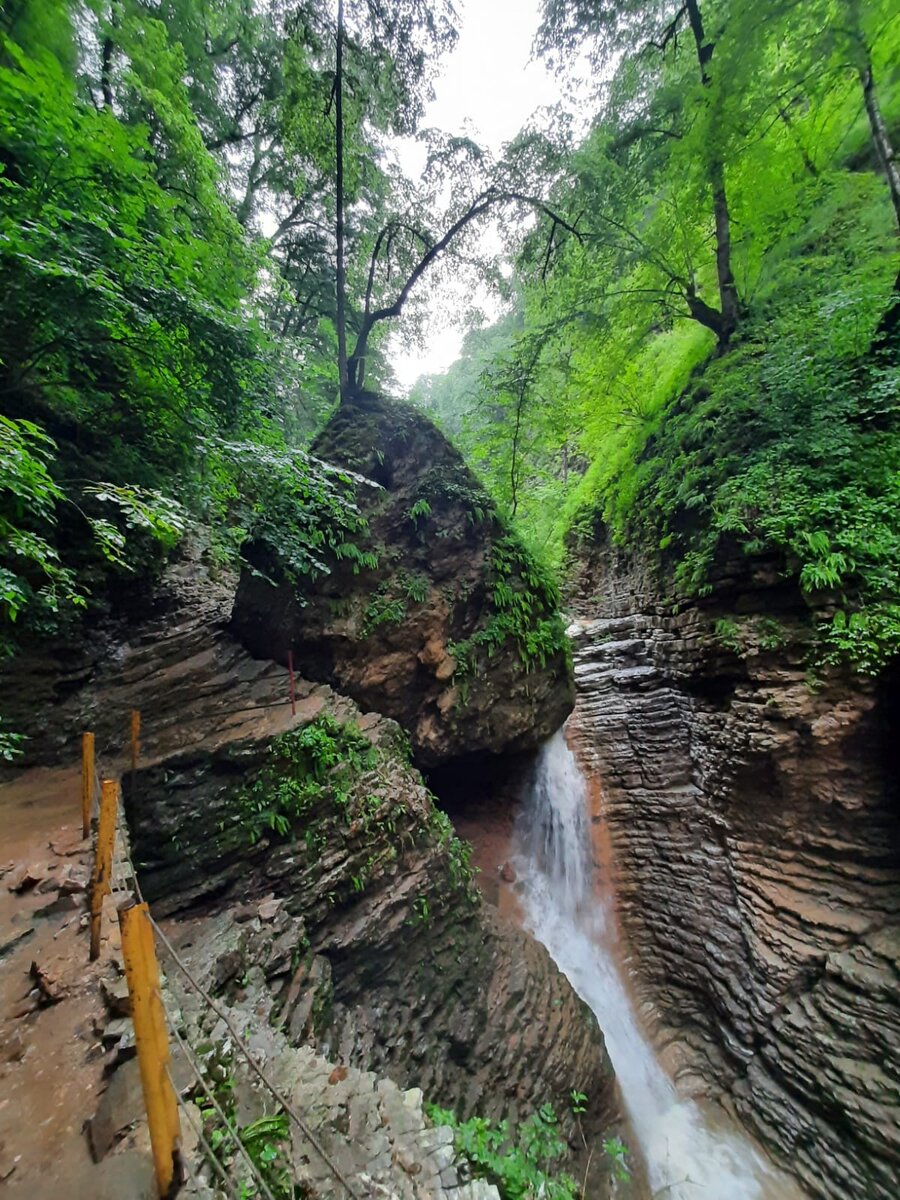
(754, 821)
(387, 958)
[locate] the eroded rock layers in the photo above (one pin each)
(754, 821)
(387, 959)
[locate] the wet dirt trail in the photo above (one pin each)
(52, 1012)
(67, 1051)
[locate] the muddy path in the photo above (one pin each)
(54, 1045)
(60, 1046)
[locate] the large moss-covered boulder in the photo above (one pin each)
(452, 628)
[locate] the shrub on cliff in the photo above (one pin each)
(789, 443)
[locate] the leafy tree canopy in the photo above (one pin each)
(751, 150)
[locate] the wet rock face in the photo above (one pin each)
(454, 633)
(757, 858)
(384, 958)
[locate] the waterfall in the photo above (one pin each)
(685, 1157)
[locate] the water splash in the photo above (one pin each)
(686, 1159)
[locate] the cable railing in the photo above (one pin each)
(155, 1027)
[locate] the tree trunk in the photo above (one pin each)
(106, 72)
(880, 136)
(341, 274)
(729, 300)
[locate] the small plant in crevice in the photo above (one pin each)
(10, 744)
(388, 604)
(616, 1153)
(420, 509)
(521, 1162)
(771, 633)
(458, 853)
(266, 1140)
(383, 609)
(305, 767)
(728, 635)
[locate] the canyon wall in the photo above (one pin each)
(756, 856)
(301, 832)
(387, 958)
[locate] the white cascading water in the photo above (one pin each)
(685, 1158)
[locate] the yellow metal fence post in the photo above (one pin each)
(142, 974)
(87, 781)
(106, 836)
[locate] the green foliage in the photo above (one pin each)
(524, 602)
(293, 507)
(157, 357)
(421, 508)
(326, 781)
(390, 600)
(267, 1142)
(458, 853)
(616, 1153)
(33, 578)
(520, 1162)
(10, 744)
(141, 508)
(384, 608)
(127, 343)
(318, 763)
(600, 406)
(788, 445)
(31, 573)
(728, 633)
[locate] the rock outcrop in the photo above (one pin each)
(351, 930)
(387, 960)
(361, 1136)
(447, 626)
(757, 857)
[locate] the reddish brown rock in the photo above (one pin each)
(49, 987)
(24, 878)
(378, 945)
(755, 846)
(426, 636)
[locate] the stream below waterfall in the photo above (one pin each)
(686, 1155)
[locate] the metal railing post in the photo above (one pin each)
(87, 782)
(142, 975)
(103, 862)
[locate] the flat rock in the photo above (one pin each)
(120, 1106)
(23, 878)
(9, 942)
(48, 985)
(116, 997)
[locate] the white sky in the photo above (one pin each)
(488, 88)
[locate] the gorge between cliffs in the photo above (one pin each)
(450, 599)
(681, 947)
